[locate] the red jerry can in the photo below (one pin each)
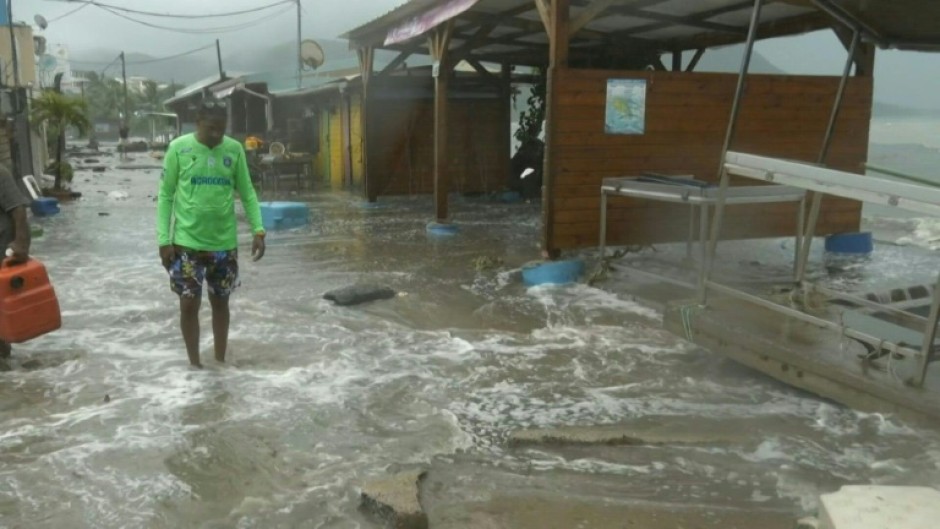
(28, 304)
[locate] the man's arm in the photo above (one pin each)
(13, 202)
(167, 194)
(246, 191)
(165, 198)
(22, 237)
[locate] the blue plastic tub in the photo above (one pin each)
(552, 272)
(45, 206)
(850, 243)
(442, 228)
(284, 215)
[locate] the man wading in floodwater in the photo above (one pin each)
(201, 174)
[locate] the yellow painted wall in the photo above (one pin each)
(323, 168)
(337, 173)
(356, 133)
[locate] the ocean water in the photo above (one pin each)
(103, 425)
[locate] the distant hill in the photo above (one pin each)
(728, 60)
(887, 110)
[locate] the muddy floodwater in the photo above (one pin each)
(103, 425)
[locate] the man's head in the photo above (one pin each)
(211, 120)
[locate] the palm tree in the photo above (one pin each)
(58, 112)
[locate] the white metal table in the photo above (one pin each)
(697, 194)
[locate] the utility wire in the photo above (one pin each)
(203, 31)
(173, 15)
(76, 10)
(112, 63)
(148, 61)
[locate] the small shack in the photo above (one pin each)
(248, 102)
(623, 98)
(324, 120)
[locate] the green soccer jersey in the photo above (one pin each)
(197, 191)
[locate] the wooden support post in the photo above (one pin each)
(695, 59)
(558, 61)
(545, 14)
(366, 63)
(504, 153)
(438, 43)
(677, 61)
(590, 13)
(864, 52)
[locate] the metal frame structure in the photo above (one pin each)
(912, 196)
(699, 197)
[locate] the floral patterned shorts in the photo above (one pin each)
(218, 269)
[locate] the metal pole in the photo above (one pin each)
(816, 204)
(218, 54)
(732, 127)
(124, 78)
(603, 241)
(125, 123)
(300, 60)
(13, 54)
(930, 334)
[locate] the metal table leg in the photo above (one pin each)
(603, 241)
(930, 334)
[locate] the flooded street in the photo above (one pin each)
(103, 425)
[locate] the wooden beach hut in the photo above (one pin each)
(676, 123)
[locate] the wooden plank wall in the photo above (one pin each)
(402, 146)
(686, 119)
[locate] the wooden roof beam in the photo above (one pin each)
(599, 7)
(695, 21)
(544, 14)
(776, 28)
(701, 16)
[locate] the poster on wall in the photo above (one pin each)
(626, 106)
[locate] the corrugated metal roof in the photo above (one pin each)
(660, 25)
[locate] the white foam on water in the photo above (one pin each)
(925, 234)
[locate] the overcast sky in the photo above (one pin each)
(901, 77)
(92, 27)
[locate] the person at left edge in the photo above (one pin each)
(197, 229)
(15, 237)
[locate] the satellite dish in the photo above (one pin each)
(41, 21)
(312, 54)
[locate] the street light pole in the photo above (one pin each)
(125, 123)
(300, 61)
(16, 62)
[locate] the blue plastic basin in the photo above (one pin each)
(284, 215)
(553, 272)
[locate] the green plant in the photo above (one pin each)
(64, 168)
(58, 112)
(531, 119)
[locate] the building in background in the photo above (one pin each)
(20, 146)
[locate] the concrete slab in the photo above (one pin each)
(667, 433)
(467, 494)
(874, 507)
(395, 501)
(519, 511)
